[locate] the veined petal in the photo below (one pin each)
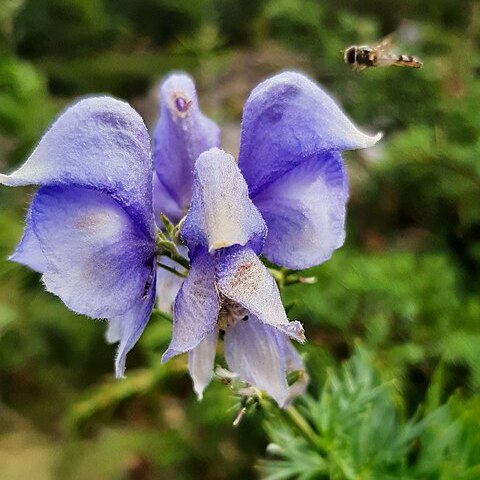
(163, 202)
(221, 213)
(99, 143)
(131, 324)
(243, 278)
(181, 135)
(305, 212)
(252, 351)
(286, 120)
(98, 260)
(196, 307)
(168, 284)
(201, 361)
(28, 251)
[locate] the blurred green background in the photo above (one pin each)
(405, 286)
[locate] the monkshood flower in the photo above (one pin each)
(180, 136)
(90, 229)
(292, 137)
(228, 291)
(182, 133)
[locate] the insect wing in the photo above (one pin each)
(386, 57)
(384, 46)
(383, 52)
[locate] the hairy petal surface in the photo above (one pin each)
(28, 251)
(201, 361)
(243, 278)
(305, 212)
(99, 143)
(130, 325)
(180, 136)
(164, 203)
(286, 120)
(97, 260)
(252, 351)
(221, 213)
(196, 306)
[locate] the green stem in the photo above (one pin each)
(171, 270)
(169, 249)
(305, 429)
(309, 434)
(294, 279)
(176, 257)
(278, 276)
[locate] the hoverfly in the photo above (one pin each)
(379, 55)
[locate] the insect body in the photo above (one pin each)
(379, 55)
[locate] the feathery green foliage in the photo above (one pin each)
(358, 428)
(406, 283)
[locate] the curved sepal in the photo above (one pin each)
(243, 278)
(99, 143)
(305, 212)
(221, 213)
(130, 325)
(201, 361)
(253, 351)
(97, 261)
(196, 306)
(287, 119)
(180, 136)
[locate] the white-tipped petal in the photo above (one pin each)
(221, 213)
(201, 361)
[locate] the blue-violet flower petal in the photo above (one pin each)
(180, 136)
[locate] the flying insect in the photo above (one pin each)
(380, 55)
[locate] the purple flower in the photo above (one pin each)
(90, 227)
(292, 137)
(181, 135)
(168, 284)
(228, 291)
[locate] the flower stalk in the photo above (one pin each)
(167, 248)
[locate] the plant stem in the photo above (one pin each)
(176, 257)
(305, 429)
(172, 270)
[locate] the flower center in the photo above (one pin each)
(230, 313)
